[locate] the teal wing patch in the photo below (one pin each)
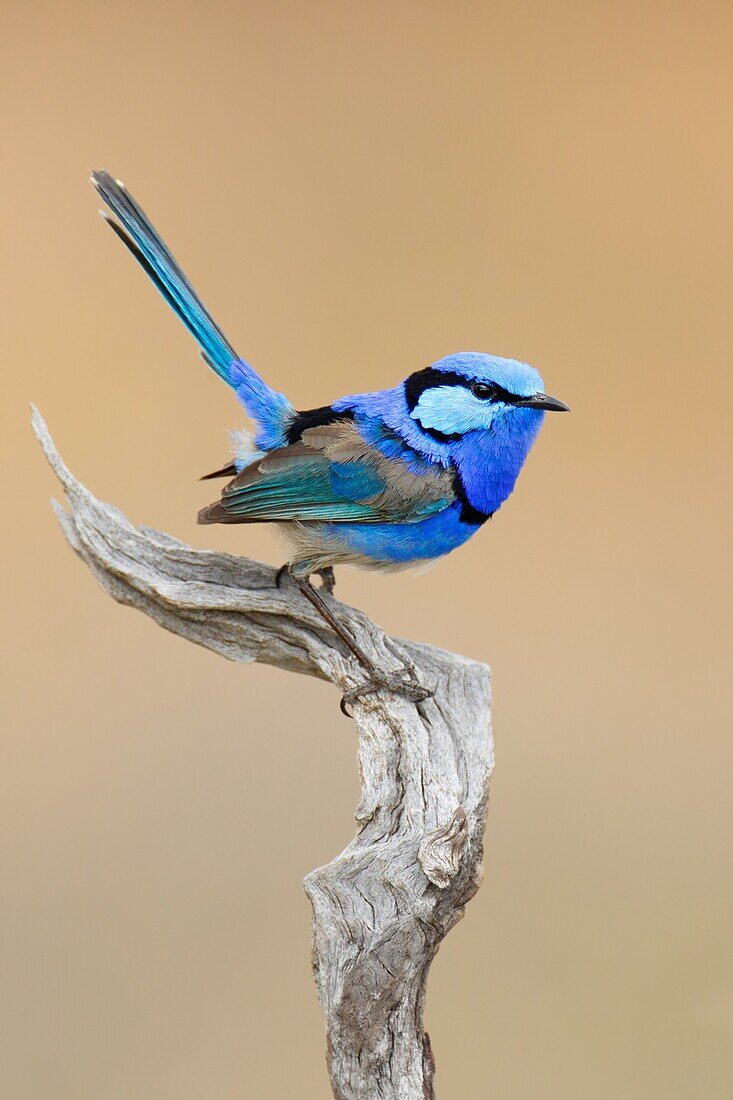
(355, 480)
(324, 480)
(297, 488)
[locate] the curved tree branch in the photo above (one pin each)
(381, 908)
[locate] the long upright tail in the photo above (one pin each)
(139, 234)
(271, 410)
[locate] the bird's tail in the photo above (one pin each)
(139, 234)
(270, 409)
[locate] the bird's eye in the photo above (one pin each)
(483, 390)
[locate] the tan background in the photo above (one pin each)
(357, 190)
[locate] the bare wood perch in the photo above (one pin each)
(382, 907)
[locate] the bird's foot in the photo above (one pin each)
(283, 571)
(402, 682)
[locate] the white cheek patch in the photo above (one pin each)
(452, 410)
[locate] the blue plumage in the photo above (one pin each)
(271, 411)
(381, 479)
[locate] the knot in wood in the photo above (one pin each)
(441, 851)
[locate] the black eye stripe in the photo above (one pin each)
(492, 391)
(422, 380)
(426, 379)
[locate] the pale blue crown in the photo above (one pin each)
(511, 374)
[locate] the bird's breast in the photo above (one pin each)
(487, 463)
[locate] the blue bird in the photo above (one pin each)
(382, 480)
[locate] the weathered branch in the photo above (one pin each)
(381, 908)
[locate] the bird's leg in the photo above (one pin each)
(378, 680)
(326, 613)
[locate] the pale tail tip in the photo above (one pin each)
(97, 173)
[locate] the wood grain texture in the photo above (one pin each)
(382, 907)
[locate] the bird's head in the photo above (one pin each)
(470, 391)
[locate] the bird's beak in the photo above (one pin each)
(542, 401)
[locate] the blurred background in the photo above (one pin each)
(357, 190)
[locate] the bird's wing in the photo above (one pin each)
(330, 475)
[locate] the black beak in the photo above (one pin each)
(542, 401)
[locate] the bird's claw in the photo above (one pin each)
(402, 683)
